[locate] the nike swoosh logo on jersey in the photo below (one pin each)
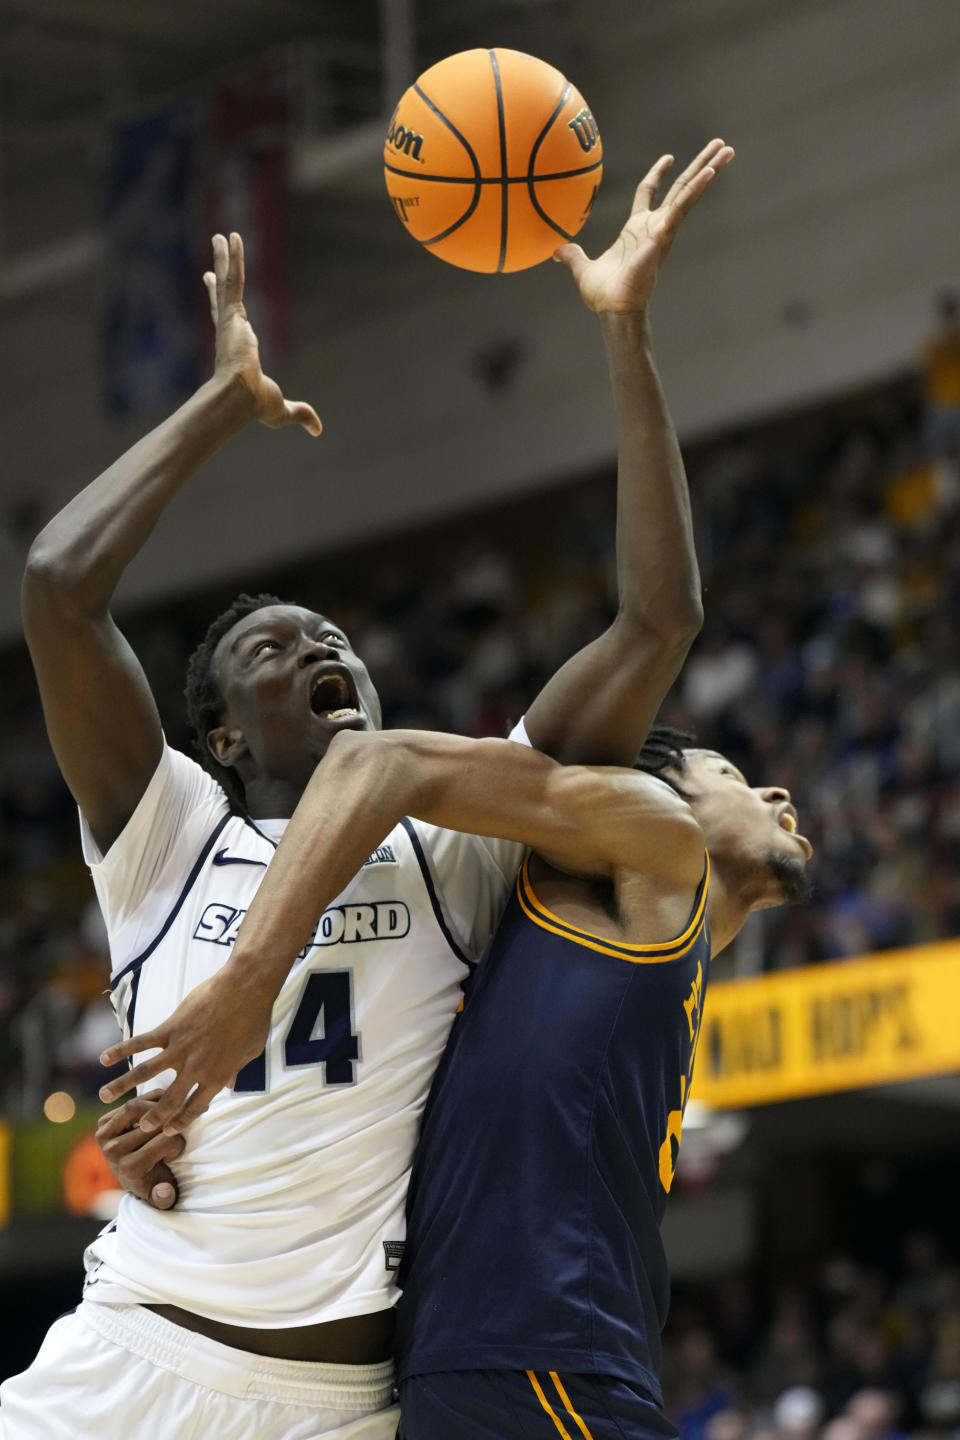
(222, 858)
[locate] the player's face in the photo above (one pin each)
(751, 831)
(290, 681)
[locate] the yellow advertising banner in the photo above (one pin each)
(872, 1021)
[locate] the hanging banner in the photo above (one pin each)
(843, 1026)
(150, 353)
(243, 180)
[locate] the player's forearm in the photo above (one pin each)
(355, 798)
(659, 580)
(83, 551)
(363, 787)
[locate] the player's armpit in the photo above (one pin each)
(139, 1160)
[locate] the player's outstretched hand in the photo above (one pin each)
(622, 279)
(139, 1160)
(238, 350)
(212, 1033)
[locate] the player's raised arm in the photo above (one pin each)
(100, 714)
(582, 820)
(599, 706)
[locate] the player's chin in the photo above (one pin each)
(792, 884)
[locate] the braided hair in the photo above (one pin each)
(662, 754)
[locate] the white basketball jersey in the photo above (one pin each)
(292, 1185)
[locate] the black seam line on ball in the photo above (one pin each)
(493, 179)
(504, 189)
(533, 160)
(477, 192)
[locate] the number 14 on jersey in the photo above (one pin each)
(320, 1033)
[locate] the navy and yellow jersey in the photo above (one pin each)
(547, 1151)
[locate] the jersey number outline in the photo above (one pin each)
(670, 1147)
(336, 1049)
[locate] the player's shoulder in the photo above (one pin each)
(177, 762)
(181, 780)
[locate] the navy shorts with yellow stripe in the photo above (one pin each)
(527, 1405)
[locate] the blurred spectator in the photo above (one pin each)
(939, 1400)
(875, 1414)
(927, 1285)
(728, 1424)
(702, 1388)
(841, 1427)
(797, 1413)
(884, 1347)
(941, 376)
(718, 674)
(786, 1361)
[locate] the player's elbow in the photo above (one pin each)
(585, 809)
(55, 577)
(673, 624)
(688, 619)
(676, 625)
(44, 569)
(353, 748)
(375, 759)
(47, 582)
(647, 827)
(678, 837)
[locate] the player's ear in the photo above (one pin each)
(226, 744)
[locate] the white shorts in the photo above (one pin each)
(121, 1372)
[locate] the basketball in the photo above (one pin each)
(492, 160)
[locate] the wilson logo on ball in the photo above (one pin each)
(584, 127)
(407, 142)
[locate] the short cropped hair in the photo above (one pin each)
(662, 754)
(204, 699)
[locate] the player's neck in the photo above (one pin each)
(269, 798)
(727, 911)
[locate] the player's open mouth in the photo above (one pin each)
(332, 696)
(787, 820)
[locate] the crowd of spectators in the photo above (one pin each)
(855, 1352)
(829, 662)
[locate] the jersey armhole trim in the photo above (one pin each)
(536, 911)
(187, 887)
(431, 891)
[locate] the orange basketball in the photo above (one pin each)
(492, 160)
